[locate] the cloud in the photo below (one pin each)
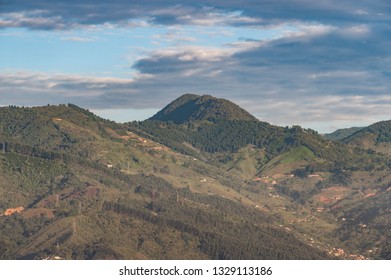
(175, 36)
(304, 77)
(78, 39)
(361, 12)
(219, 18)
(338, 75)
(33, 20)
(33, 88)
(330, 61)
(313, 78)
(47, 14)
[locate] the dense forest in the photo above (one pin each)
(228, 136)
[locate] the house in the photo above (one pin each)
(11, 211)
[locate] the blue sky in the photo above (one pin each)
(321, 65)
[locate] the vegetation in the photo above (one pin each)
(191, 107)
(380, 131)
(205, 183)
(215, 224)
(228, 136)
(341, 134)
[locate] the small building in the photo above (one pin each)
(11, 211)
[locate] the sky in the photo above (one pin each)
(318, 64)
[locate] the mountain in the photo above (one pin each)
(376, 137)
(193, 125)
(76, 186)
(191, 107)
(379, 132)
(341, 134)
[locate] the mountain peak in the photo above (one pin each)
(191, 107)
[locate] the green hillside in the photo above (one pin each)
(91, 190)
(220, 138)
(76, 186)
(376, 138)
(341, 134)
(378, 133)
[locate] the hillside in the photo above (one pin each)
(376, 137)
(216, 139)
(76, 186)
(191, 107)
(341, 134)
(292, 163)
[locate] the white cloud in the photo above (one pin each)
(190, 53)
(361, 12)
(266, 101)
(71, 14)
(36, 19)
(175, 35)
(356, 30)
(325, 63)
(339, 74)
(306, 29)
(57, 84)
(78, 39)
(219, 19)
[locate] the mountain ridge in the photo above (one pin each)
(146, 195)
(342, 133)
(375, 137)
(381, 131)
(241, 182)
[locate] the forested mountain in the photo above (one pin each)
(381, 131)
(202, 137)
(376, 137)
(76, 186)
(341, 134)
(212, 182)
(191, 107)
(378, 133)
